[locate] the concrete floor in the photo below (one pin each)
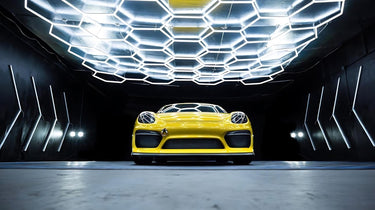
(186, 186)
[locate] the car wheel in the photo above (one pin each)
(161, 161)
(242, 161)
(142, 161)
(221, 161)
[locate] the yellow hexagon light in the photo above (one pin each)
(203, 41)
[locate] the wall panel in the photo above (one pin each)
(355, 56)
(29, 60)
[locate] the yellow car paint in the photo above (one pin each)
(193, 125)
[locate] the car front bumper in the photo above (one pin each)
(192, 156)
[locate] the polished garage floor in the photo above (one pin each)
(123, 185)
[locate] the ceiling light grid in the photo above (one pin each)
(204, 41)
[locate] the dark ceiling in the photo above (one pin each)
(358, 15)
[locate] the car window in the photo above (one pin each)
(171, 109)
(188, 110)
(206, 109)
(193, 107)
(219, 109)
(166, 107)
(182, 106)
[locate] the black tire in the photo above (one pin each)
(142, 161)
(242, 161)
(161, 161)
(221, 161)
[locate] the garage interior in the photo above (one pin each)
(66, 124)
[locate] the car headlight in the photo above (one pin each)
(146, 117)
(238, 117)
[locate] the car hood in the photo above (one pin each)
(192, 117)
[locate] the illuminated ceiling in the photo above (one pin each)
(204, 41)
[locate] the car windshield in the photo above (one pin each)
(191, 107)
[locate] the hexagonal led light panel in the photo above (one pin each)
(203, 41)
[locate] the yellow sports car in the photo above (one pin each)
(192, 130)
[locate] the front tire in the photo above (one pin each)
(142, 161)
(161, 161)
(221, 161)
(242, 161)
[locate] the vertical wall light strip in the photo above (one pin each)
(67, 125)
(39, 116)
(305, 123)
(317, 120)
(18, 112)
(334, 116)
(54, 122)
(355, 112)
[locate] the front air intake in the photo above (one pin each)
(238, 139)
(193, 143)
(147, 139)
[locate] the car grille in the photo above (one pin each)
(193, 143)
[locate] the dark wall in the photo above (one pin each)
(289, 109)
(108, 118)
(28, 59)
